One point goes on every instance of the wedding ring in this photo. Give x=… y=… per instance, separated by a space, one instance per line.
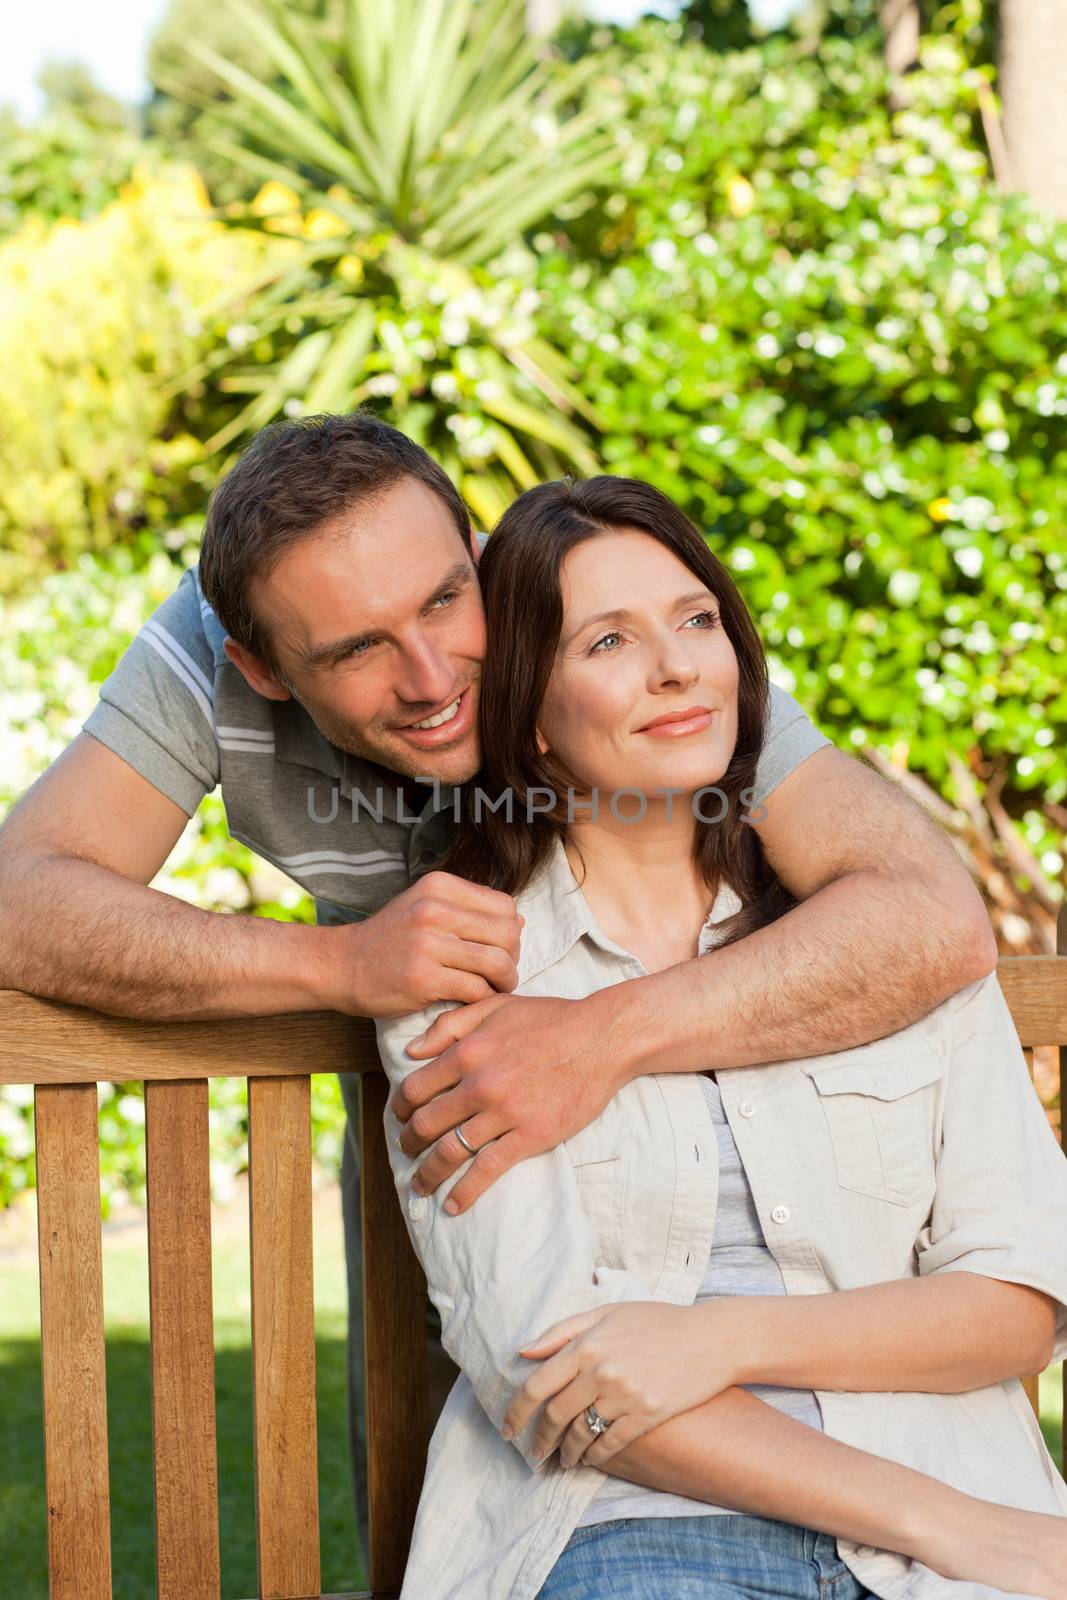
x=468 y=1147
x=595 y=1422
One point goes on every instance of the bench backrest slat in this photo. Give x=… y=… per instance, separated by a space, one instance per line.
x=394 y=1344
x=283 y=1337
x=183 y=1340
x=46 y=1041
x=72 y=1342
x=1035 y=988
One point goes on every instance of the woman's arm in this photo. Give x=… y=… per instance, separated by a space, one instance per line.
x=736 y=1451
x=496 y=1273
x=643 y=1363
x=939 y=1335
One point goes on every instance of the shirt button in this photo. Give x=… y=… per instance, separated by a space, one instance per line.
x=417 y=1207
x=747 y=1109
x=865 y=1550
x=780 y=1214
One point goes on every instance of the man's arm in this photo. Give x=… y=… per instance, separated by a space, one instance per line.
x=79 y=923
x=888 y=927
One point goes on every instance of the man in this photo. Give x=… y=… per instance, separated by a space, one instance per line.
x=323 y=666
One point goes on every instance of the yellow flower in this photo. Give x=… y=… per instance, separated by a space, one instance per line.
x=275 y=199
x=740 y=196
x=940 y=510
x=322 y=224
x=350 y=269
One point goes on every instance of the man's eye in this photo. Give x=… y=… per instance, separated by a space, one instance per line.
x=604 y=643
x=445 y=599
x=360 y=648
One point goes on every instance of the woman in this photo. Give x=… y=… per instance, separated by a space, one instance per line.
x=871 y=1239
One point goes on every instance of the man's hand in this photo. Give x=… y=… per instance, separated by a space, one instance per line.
x=520 y=1073
x=442 y=939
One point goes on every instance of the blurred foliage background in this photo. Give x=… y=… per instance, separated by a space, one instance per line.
x=794 y=278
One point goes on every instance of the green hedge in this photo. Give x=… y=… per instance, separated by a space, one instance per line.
x=820 y=329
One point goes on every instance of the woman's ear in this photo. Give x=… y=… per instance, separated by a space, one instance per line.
x=542 y=747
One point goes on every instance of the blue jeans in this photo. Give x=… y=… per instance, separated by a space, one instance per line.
x=727 y=1557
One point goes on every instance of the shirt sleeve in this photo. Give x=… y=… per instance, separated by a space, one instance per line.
x=790 y=739
x=156 y=710
x=1000 y=1203
x=520 y=1259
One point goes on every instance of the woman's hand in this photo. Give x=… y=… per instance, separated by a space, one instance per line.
x=639 y=1364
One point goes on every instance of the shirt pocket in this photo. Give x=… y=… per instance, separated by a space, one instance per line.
x=596 y=1154
x=880 y=1110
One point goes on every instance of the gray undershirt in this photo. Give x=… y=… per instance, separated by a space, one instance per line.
x=739 y=1263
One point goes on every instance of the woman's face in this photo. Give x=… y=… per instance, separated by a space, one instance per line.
x=643 y=694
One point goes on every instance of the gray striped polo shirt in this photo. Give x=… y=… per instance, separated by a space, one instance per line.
x=178 y=711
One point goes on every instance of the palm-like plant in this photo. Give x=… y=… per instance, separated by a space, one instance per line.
x=407 y=146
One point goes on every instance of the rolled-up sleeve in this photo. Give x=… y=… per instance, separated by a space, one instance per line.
x=1000 y=1206
x=501 y=1273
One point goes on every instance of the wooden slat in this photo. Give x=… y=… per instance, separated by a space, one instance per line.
x=72 y=1342
x=394 y=1343
x=44 y=1041
x=1035 y=988
x=283 y=1337
x=183 y=1345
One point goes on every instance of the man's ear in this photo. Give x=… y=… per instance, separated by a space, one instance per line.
x=472 y=539
x=256 y=674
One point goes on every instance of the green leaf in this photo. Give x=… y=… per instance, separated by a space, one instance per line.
x=332 y=386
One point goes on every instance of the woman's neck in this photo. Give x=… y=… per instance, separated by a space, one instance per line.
x=642 y=882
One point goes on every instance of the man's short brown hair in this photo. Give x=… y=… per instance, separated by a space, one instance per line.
x=295 y=478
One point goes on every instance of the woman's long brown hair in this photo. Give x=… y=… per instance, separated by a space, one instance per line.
x=520 y=575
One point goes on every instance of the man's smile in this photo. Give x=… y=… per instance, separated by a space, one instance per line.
x=449 y=723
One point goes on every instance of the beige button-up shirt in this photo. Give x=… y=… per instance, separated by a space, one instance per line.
x=924 y=1152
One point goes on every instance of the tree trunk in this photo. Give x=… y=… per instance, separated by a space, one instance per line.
x=900 y=30
x=1033 y=87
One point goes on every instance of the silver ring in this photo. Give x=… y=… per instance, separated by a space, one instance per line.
x=595 y=1422
x=468 y=1147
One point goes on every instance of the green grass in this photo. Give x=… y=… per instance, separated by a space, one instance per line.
x=23 y=1554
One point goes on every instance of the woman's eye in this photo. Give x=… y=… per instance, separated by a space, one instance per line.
x=708 y=619
x=604 y=643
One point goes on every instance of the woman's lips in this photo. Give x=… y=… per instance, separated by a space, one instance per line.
x=676 y=724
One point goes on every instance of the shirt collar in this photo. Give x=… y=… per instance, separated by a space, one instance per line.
x=558 y=915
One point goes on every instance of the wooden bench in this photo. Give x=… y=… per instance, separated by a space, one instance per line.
x=65 y=1052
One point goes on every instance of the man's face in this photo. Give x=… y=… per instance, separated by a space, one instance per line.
x=379 y=633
